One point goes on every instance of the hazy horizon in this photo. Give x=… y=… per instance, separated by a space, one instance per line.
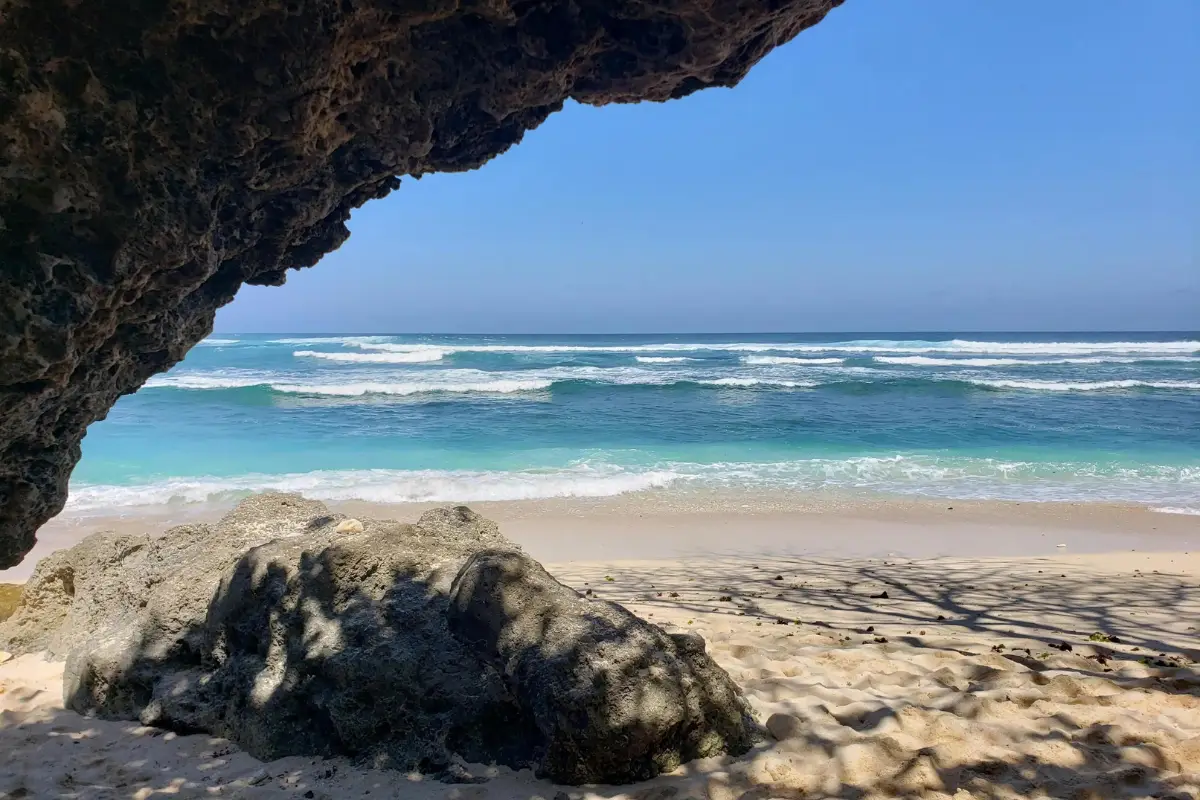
x=989 y=332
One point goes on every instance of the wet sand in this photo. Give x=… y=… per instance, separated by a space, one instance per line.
x=665 y=524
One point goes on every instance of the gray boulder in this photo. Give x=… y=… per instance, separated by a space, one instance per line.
x=165 y=581
x=407 y=646
x=613 y=697
x=70 y=590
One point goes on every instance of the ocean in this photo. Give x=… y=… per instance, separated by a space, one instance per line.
x=1046 y=417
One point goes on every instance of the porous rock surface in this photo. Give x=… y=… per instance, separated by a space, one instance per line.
x=155 y=155
x=407 y=646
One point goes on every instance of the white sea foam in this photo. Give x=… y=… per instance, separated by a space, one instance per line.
x=859 y=346
x=1083 y=386
x=414 y=357
x=352 y=341
x=457 y=380
x=403 y=383
x=1165 y=488
x=932 y=361
x=961 y=477
x=1054 y=348
x=382 y=486
x=966 y=346
x=747 y=383
x=662 y=359
x=392 y=347
x=666 y=347
x=205 y=382
x=218 y=342
x=782 y=360
x=416 y=387
x=481 y=383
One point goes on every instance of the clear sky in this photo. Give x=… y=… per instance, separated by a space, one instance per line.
x=904 y=165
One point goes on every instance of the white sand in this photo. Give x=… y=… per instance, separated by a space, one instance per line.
x=674 y=524
x=884 y=699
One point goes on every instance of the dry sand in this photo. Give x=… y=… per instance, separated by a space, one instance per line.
x=975 y=676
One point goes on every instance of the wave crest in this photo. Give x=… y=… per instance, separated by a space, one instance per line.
x=349 y=389
x=780 y=360
x=1166 y=488
x=414 y=357
x=747 y=383
x=1081 y=386
x=466 y=381
x=380 y=486
x=951 y=346
x=406 y=389
x=352 y=341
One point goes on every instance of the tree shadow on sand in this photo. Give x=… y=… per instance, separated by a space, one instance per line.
x=1108 y=621
x=1032 y=658
x=348 y=647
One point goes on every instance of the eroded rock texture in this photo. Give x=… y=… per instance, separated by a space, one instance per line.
x=408 y=646
x=157 y=154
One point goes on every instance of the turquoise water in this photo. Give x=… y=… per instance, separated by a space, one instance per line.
x=1112 y=417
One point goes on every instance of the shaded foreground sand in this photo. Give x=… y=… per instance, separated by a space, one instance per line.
x=970 y=678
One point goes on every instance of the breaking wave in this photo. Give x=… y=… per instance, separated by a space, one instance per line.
x=928 y=361
x=358 y=389
x=468 y=381
x=951 y=346
x=1082 y=386
x=414 y=357
x=781 y=360
x=351 y=341
x=747 y=383
x=1167 y=488
x=379 y=485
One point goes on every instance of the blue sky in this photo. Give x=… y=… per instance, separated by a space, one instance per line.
x=905 y=165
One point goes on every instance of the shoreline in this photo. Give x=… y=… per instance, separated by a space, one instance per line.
x=661 y=524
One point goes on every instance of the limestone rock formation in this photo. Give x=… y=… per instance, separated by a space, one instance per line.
x=614 y=698
x=155 y=155
x=408 y=646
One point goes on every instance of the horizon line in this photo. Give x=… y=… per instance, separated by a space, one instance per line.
x=1195 y=332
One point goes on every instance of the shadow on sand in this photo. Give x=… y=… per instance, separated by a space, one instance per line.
x=334 y=689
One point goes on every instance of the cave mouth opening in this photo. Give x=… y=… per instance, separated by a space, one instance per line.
x=159 y=156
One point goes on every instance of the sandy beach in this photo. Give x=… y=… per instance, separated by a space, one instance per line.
x=678 y=524
x=903 y=649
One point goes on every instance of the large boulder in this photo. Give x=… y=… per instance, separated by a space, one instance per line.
x=74 y=593
x=408 y=646
x=613 y=697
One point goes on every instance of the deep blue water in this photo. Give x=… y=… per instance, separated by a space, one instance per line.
x=391 y=418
